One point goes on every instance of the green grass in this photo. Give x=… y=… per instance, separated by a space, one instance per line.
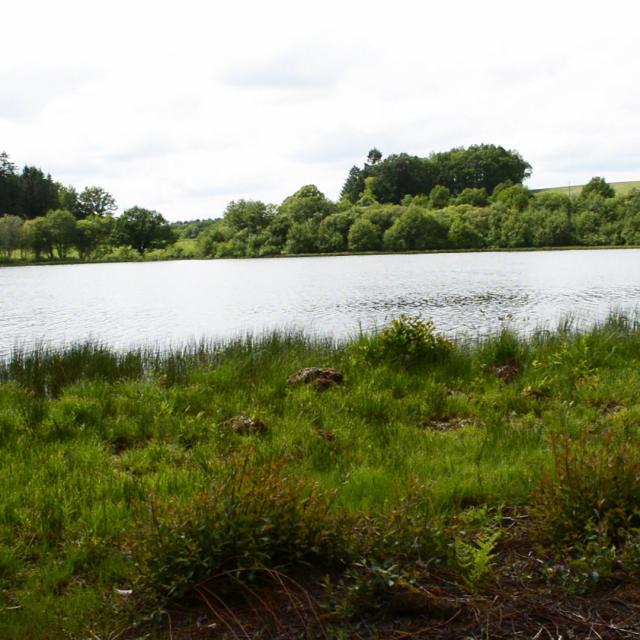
x=105 y=456
x=183 y=249
x=621 y=188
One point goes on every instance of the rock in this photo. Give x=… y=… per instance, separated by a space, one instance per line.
x=507 y=372
x=612 y=407
x=321 y=378
x=245 y=424
x=445 y=423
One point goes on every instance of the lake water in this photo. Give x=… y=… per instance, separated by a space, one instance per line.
x=167 y=303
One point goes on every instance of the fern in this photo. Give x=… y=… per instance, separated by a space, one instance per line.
x=475 y=557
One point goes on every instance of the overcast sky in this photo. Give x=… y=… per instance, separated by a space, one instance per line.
x=184 y=106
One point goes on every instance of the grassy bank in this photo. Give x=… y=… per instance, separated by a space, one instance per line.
x=180 y=250
x=157 y=257
x=621 y=188
x=434 y=477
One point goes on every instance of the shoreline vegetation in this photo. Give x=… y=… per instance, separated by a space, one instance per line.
x=341 y=254
x=463 y=199
x=398 y=485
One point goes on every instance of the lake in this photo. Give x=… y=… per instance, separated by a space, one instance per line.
x=163 y=303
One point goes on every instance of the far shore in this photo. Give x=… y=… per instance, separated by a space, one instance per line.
x=342 y=254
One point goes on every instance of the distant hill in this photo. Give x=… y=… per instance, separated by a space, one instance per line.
x=620 y=187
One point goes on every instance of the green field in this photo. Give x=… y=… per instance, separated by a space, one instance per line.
x=436 y=478
x=621 y=188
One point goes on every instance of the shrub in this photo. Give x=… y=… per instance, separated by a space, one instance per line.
x=364 y=236
x=253 y=519
x=595 y=493
x=122 y=254
x=409 y=341
x=391 y=548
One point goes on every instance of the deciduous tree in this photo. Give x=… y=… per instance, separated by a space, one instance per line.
x=364 y=236
x=307 y=203
x=252 y=215
x=598 y=186
x=143 y=229
x=62 y=230
x=93 y=233
x=10 y=227
x=95 y=201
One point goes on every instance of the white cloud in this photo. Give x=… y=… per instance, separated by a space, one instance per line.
x=182 y=107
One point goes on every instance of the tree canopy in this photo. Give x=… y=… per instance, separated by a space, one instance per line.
x=597 y=186
x=464 y=198
x=481 y=166
x=31 y=194
x=95 y=201
x=143 y=229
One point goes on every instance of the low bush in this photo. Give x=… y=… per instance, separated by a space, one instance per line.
x=252 y=519
x=595 y=493
x=408 y=341
x=122 y=254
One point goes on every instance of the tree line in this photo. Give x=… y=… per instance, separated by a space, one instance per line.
x=469 y=198
x=468 y=217
x=389 y=180
x=44 y=219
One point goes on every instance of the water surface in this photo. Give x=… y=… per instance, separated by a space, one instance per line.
x=165 y=303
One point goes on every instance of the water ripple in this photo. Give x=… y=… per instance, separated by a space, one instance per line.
x=169 y=303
